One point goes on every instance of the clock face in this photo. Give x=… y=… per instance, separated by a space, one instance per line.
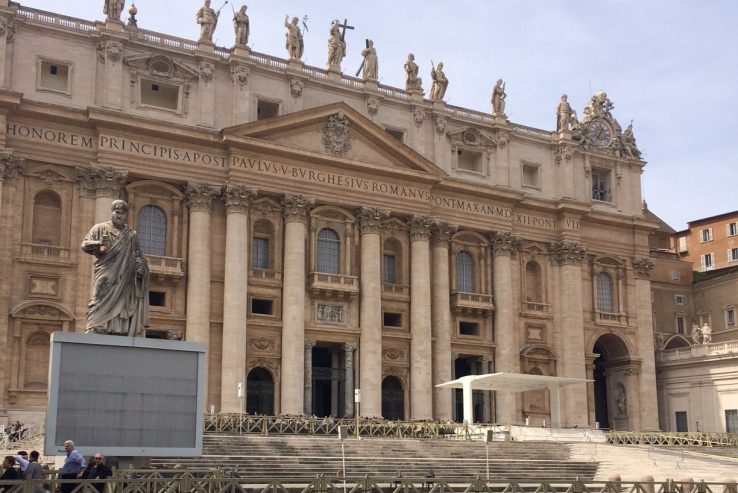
x=600 y=133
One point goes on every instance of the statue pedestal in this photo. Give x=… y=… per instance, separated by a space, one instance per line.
x=113 y=25
x=416 y=96
x=564 y=135
x=501 y=118
x=295 y=66
x=334 y=73
x=241 y=51
x=205 y=47
x=439 y=104
x=371 y=85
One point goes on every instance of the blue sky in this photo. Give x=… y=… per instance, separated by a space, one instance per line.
x=670 y=66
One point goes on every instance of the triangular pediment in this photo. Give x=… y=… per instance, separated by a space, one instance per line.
x=334 y=132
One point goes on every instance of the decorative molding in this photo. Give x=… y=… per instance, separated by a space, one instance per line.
x=296 y=87
x=371 y=219
x=337 y=134
x=566 y=252
x=642 y=267
x=200 y=196
x=264 y=344
x=206 y=71
x=240 y=74
x=442 y=233
x=563 y=154
x=330 y=314
x=420 y=227
x=393 y=354
x=101 y=182
x=440 y=124
x=296 y=208
x=238 y=198
x=7 y=28
x=10 y=167
x=418 y=116
x=504 y=244
x=372 y=105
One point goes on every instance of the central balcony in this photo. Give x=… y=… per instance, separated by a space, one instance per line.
x=474 y=304
x=163 y=268
x=333 y=286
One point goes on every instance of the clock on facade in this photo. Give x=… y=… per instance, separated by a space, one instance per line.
x=599 y=132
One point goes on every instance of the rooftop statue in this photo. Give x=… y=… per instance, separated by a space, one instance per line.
x=120 y=285
x=498 y=98
x=440 y=83
x=336 y=46
x=628 y=143
x=293 y=38
x=413 y=83
x=565 y=115
x=208 y=20
x=112 y=9
x=241 y=26
x=370 y=64
x=599 y=106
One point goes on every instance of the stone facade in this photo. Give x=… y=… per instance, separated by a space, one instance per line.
x=315 y=233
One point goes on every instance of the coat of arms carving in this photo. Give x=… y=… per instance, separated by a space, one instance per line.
x=337 y=134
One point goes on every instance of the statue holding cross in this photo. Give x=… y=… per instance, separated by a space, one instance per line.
x=337 y=44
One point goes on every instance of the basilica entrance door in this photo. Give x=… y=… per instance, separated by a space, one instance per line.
x=393 y=399
x=260 y=392
x=329 y=382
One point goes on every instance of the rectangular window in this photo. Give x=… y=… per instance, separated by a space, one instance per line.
x=260 y=253
x=681 y=323
x=531 y=176
x=675 y=275
x=733 y=255
x=731 y=229
x=707 y=261
x=392 y=319
x=468 y=328
x=731 y=421
x=397 y=134
x=157 y=298
x=53 y=76
x=682 y=244
x=266 y=109
x=730 y=316
x=681 y=421
x=705 y=235
x=470 y=160
x=160 y=95
x=390 y=271
x=601 y=185
x=262 y=307
x=678 y=299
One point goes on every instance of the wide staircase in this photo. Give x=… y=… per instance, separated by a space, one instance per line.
x=299 y=458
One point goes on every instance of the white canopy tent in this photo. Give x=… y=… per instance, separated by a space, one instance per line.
x=513 y=382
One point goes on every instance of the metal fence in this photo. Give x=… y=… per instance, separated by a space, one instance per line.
x=691 y=439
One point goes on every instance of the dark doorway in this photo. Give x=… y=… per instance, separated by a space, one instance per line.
x=462 y=367
x=613 y=353
x=329 y=382
x=393 y=399
x=260 y=392
x=600 y=388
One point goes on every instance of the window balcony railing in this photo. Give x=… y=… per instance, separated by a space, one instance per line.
x=44 y=251
x=611 y=318
x=472 y=303
x=333 y=285
x=535 y=307
x=265 y=274
x=165 y=267
x=396 y=290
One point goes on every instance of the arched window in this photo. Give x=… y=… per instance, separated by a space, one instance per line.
x=391 y=256
x=261 y=245
x=464 y=272
x=329 y=247
x=152 y=230
x=604 y=293
x=47 y=208
x=533 y=282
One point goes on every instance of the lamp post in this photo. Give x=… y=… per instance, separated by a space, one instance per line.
x=357 y=401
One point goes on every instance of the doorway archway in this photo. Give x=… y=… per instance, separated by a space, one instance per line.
x=393 y=399
x=612 y=388
x=260 y=392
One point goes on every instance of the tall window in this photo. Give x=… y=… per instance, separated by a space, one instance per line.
x=391 y=262
x=681 y=323
x=604 y=293
x=731 y=421
x=328 y=251
x=152 y=230
x=707 y=261
x=390 y=268
x=533 y=282
x=260 y=253
x=600 y=185
x=705 y=235
x=730 y=316
x=733 y=255
x=46 y=219
x=681 y=421
x=731 y=229
x=464 y=272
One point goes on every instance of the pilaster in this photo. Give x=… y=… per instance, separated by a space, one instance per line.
x=348 y=356
x=206 y=91
x=441 y=320
x=110 y=54
x=647 y=378
x=308 y=370
x=241 y=90
x=7 y=33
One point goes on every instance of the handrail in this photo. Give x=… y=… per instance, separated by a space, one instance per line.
x=694 y=439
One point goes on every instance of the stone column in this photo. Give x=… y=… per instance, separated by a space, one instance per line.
x=10 y=168
x=647 y=381
x=370 y=313
x=506 y=333
x=486 y=417
x=237 y=199
x=309 y=345
x=421 y=379
x=107 y=183
x=441 y=321
x=348 y=356
x=296 y=209
x=568 y=256
x=199 y=199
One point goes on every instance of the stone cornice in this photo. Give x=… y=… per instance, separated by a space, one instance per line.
x=296 y=208
x=420 y=227
x=200 y=196
x=566 y=252
x=237 y=198
x=504 y=244
x=371 y=219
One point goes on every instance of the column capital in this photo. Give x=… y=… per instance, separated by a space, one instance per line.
x=238 y=198
x=349 y=346
x=441 y=233
x=296 y=208
x=454 y=356
x=10 y=167
x=309 y=345
x=566 y=252
x=371 y=219
x=420 y=227
x=486 y=360
x=642 y=267
x=505 y=244
x=101 y=182
x=200 y=196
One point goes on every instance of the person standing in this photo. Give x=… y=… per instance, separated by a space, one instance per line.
x=73 y=466
x=22 y=460
x=10 y=473
x=35 y=472
x=97 y=470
